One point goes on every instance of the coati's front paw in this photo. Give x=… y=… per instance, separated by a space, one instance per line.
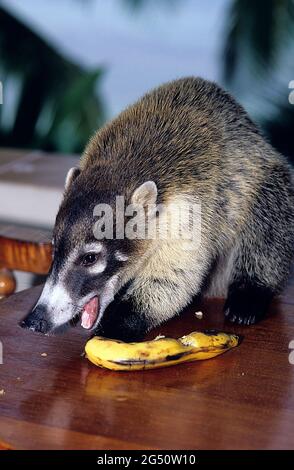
x=121 y=322
x=120 y=332
x=247 y=303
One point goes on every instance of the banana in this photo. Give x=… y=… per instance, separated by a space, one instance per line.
x=160 y=352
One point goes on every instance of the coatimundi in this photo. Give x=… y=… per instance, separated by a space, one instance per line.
x=185 y=143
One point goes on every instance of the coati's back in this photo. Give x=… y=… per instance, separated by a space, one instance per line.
x=183 y=132
x=190 y=137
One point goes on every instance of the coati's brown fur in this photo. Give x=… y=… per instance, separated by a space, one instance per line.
x=192 y=138
x=196 y=143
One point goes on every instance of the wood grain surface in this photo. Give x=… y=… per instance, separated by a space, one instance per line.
x=243 y=399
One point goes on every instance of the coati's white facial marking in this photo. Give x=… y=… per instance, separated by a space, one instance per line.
x=95 y=247
x=98 y=267
x=120 y=256
x=58 y=303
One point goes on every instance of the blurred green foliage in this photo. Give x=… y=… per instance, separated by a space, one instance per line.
x=259 y=64
x=58 y=105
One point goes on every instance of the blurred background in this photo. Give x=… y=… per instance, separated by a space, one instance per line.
x=67 y=66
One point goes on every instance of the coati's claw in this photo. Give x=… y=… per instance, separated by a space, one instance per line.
x=241 y=319
x=247 y=303
x=250 y=320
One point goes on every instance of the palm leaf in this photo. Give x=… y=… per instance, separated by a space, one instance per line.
x=258 y=64
x=256 y=33
x=45 y=78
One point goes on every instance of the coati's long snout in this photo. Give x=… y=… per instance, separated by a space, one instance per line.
x=57 y=307
x=48 y=316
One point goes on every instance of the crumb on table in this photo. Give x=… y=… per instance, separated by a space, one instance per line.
x=159 y=337
x=199 y=315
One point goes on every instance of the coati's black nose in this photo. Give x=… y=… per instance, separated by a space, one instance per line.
x=36 y=320
x=41 y=326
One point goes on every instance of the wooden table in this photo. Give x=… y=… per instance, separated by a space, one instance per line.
x=243 y=399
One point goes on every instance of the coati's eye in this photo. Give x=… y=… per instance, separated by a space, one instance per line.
x=89 y=259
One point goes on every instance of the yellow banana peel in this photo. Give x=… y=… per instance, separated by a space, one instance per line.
x=160 y=352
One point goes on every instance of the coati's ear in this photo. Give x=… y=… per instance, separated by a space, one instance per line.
x=145 y=194
x=71 y=176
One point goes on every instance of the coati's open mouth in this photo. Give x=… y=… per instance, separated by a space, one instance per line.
x=90 y=313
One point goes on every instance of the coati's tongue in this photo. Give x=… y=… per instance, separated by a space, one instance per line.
x=90 y=313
